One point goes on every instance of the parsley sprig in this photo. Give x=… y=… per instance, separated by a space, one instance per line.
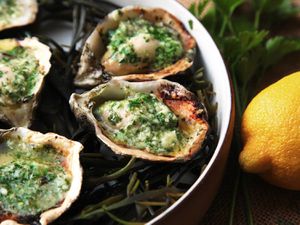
x=245 y=40
x=249 y=50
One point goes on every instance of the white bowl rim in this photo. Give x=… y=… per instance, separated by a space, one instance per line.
x=226 y=116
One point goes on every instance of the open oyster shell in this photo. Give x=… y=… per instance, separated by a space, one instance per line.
x=16 y=74
x=15 y=13
x=92 y=72
x=190 y=112
x=67 y=149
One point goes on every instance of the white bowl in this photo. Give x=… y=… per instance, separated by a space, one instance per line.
x=191 y=207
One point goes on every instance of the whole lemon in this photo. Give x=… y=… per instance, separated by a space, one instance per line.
x=271 y=134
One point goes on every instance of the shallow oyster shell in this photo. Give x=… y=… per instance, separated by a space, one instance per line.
x=91 y=72
x=28 y=8
x=70 y=150
x=182 y=102
x=20 y=114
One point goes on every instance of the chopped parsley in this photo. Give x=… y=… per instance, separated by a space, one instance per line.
x=8 y=10
x=114 y=118
x=32 y=178
x=141 y=121
x=25 y=69
x=121 y=45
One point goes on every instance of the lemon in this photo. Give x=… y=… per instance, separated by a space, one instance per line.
x=271 y=134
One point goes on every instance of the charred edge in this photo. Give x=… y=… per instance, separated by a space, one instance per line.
x=172 y=92
x=106 y=77
x=180 y=24
x=142 y=12
x=203 y=113
x=7 y=216
x=32 y=220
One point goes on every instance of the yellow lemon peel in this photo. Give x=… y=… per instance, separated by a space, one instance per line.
x=271 y=134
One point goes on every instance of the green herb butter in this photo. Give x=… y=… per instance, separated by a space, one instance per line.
x=138 y=41
x=19 y=72
x=141 y=121
x=32 y=178
x=8 y=10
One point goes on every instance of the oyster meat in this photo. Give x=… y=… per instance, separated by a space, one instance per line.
x=40 y=176
x=135 y=43
x=23 y=67
x=15 y=13
x=154 y=120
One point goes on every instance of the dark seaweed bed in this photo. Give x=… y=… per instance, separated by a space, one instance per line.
x=116 y=189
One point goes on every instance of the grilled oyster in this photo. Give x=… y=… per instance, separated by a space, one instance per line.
x=154 y=120
x=23 y=67
x=40 y=176
x=15 y=13
x=135 y=43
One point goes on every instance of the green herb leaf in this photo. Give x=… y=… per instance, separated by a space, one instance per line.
x=284 y=8
x=235 y=47
x=227 y=7
x=248 y=51
x=192 y=9
x=274 y=11
x=210 y=21
x=242 y=23
x=191 y=24
x=249 y=64
x=278 y=47
x=197 y=9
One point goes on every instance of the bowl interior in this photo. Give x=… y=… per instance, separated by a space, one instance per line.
x=215 y=70
x=209 y=57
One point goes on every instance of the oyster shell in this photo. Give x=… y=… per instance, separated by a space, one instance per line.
x=66 y=153
x=96 y=61
x=15 y=13
x=169 y=99
x=23 y=67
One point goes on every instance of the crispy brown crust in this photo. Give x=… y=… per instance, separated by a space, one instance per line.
x=70 y=149
x=170 y=92
x=94 y=47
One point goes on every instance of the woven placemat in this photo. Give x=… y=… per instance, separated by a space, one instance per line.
x=269 y=205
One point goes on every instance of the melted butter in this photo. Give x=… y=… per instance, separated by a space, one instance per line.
x=141 y=121
x=8 y=10
x=139 y=46
x=144 y=46
x=32 y=178
x=18 y=75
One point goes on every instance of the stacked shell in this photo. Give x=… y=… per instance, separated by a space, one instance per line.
x=40 y=174
x=136 y=44
x=137 y=113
